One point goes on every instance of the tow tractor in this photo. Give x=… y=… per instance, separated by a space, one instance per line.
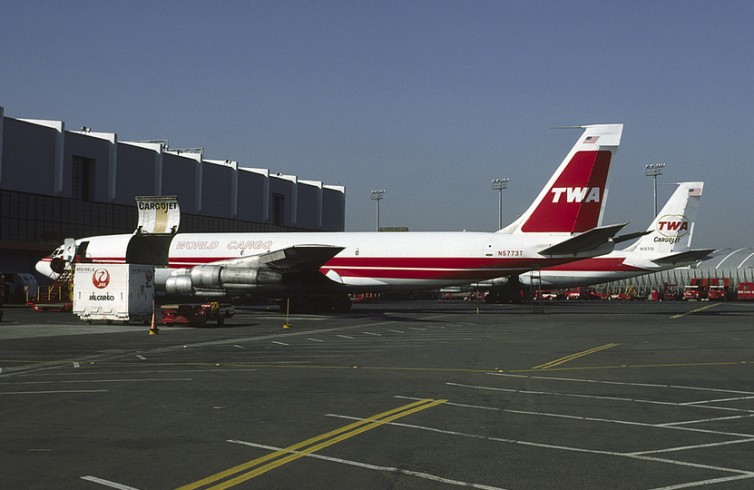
x=194 y=314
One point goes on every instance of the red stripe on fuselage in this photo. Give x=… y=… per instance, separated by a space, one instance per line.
x=435 y=268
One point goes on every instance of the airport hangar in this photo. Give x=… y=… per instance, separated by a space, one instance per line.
x=56 y=184
x=734 y=264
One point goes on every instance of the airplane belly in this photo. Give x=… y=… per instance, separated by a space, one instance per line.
x=419 y=271
x=566 y=279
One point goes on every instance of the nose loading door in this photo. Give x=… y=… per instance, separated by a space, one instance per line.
x=159 y=217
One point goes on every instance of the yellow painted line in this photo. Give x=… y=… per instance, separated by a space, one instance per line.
x=329 y=439
x=712 y=305
x=562 y=360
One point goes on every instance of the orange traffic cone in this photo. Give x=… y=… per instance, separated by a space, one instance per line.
x=153 y=330
x=287 y=323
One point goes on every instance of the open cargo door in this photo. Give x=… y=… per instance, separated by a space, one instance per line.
x=159 y=218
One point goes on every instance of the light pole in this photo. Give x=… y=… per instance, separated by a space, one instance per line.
x=499 y=185
x=653 y=170
x=376 y=195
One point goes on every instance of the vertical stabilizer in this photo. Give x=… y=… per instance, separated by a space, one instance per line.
x=672 y=229
x=574 y=198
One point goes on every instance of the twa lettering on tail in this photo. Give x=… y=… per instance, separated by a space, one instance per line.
x=673 y=226
x=576 y=194
x=574 y=198
x=561 y=225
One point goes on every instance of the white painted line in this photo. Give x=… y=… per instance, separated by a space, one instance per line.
x=85 y=381
x=619 y=383
x=139 y=356
x=686 y=448
x=702 y=402
x=704 y=421
x=75 y=364
x=461 y=405
x=396 y=331
x=239 y=347
x=632 y=400
x=486 y=438
x=389 y=469
x=314 y=340
x=345 y=337
x=282 y=362
x=55 y=392
x=279 y=343
x=626 y=422
x=742 y=473
x=704 y=483
x=372 y=333
x=417 y=328
x=107 y=483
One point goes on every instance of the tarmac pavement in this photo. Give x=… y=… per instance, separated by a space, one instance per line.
x=399 y=395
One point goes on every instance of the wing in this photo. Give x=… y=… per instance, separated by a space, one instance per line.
x=295 y=259
x=584 y=242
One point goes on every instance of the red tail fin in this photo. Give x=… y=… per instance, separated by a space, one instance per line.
x=574 y=198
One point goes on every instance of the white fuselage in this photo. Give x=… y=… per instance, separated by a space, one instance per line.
x=369 y=260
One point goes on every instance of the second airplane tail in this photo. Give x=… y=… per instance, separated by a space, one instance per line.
x=673 y=227
x=574 y=198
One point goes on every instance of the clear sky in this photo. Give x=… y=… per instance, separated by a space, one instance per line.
x=429 y=100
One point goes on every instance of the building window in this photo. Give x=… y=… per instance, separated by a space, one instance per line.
x=82 y=178
x=278 y=209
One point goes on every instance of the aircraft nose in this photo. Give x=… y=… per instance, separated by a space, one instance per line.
x=43 y=267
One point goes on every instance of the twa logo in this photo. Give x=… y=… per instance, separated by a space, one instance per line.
x=101 y=278
x=673 y=225
x=576 y=194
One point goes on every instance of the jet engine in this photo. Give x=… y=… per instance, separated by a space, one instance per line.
x=220 y=278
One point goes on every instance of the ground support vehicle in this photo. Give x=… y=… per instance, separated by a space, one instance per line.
x=195 y=314
x=717 y=293
x=692 y=292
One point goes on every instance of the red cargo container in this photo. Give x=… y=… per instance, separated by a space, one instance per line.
x=745 y=291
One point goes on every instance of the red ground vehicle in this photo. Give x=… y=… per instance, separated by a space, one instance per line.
x=712 y=288
x=195 y=314
x=582 y=293
x=545 y=294
x=717 y=293
x=692 y=292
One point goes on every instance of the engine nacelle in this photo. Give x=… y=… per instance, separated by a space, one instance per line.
x=179 y=286
x=219 y=277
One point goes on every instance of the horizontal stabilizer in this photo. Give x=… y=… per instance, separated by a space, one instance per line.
x=630 y=236
x=684 y=258
x=584 y=242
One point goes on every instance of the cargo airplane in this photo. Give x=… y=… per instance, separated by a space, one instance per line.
x=560 y=226
x=666 y=244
